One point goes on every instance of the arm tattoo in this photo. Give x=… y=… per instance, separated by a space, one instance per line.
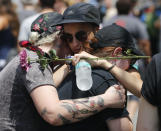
x=71 y=108
x=64 y=120
x=88 y=107
x=43 y=112
x=120 y=96
x=100 y=102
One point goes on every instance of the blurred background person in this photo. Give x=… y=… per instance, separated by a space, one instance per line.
x=60 y=6
x=132 y=24
x=158 y=25
x=94 y=2
x=149 y=16
x=25 y=8
x=18 y=4
x=72 y=2
x=28 y=9
x=135 y=27
x=135 y=9
x=9 y=27
x=45 y=6
x=111 y=10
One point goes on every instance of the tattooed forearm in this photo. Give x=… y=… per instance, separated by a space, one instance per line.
x=80 y=109
x=85 y=100
x=64 y=120
x=76 y=112
x=69 y=111
x=86 y=111
x=100 y=102
x=87 y=103
x=43 y=112
x=70 y=107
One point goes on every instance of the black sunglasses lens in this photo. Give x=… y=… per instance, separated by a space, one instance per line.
x=66 y=37
x=81 y=36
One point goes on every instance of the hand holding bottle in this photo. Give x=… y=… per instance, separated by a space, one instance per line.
x=93 y=61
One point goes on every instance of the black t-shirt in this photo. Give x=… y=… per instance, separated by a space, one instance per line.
x=101 y=81
x=151 y=89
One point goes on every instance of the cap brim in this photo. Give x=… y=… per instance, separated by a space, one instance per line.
x=70 y=21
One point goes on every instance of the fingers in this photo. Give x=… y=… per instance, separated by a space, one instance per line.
x=122 y=97
x=75 y=59
x=117 y=87
x=120 y=88
x=121 y=93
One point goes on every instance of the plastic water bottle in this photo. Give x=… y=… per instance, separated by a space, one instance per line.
x=83 y=75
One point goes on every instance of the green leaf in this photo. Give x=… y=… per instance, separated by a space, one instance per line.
x=128 y=52
x=39 y=54
x=43 y=63
x=28 y=59
x=52 y=54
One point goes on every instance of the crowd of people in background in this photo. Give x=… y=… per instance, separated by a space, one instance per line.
x=142 y=19
x=145 y=15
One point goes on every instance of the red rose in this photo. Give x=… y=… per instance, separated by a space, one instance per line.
x=25 y=43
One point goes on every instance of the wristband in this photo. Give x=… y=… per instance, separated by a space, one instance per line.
x=110 y=68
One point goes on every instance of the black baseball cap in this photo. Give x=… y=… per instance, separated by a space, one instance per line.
x=115 y=36
x=81 y=12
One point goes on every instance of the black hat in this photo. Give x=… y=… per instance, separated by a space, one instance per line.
x=116 y=36
x=81 y=12
x=42 y=25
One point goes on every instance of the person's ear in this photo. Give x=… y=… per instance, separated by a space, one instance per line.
x=117 y=51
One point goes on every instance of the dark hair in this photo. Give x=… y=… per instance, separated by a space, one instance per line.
x=123 y=6
x=47 y=3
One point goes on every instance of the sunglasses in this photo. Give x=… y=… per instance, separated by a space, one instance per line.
x=80 y=36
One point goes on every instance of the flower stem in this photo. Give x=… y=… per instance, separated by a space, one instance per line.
x=99 y=58
x=108 y=58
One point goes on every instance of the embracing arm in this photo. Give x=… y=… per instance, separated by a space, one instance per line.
x=130 y=80
x=59 y=112
x=60 y=74
x=147 y=117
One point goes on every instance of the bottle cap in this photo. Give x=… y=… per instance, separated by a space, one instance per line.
x=83 y=63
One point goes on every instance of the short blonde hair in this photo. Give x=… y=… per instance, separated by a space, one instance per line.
x=37 y=40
